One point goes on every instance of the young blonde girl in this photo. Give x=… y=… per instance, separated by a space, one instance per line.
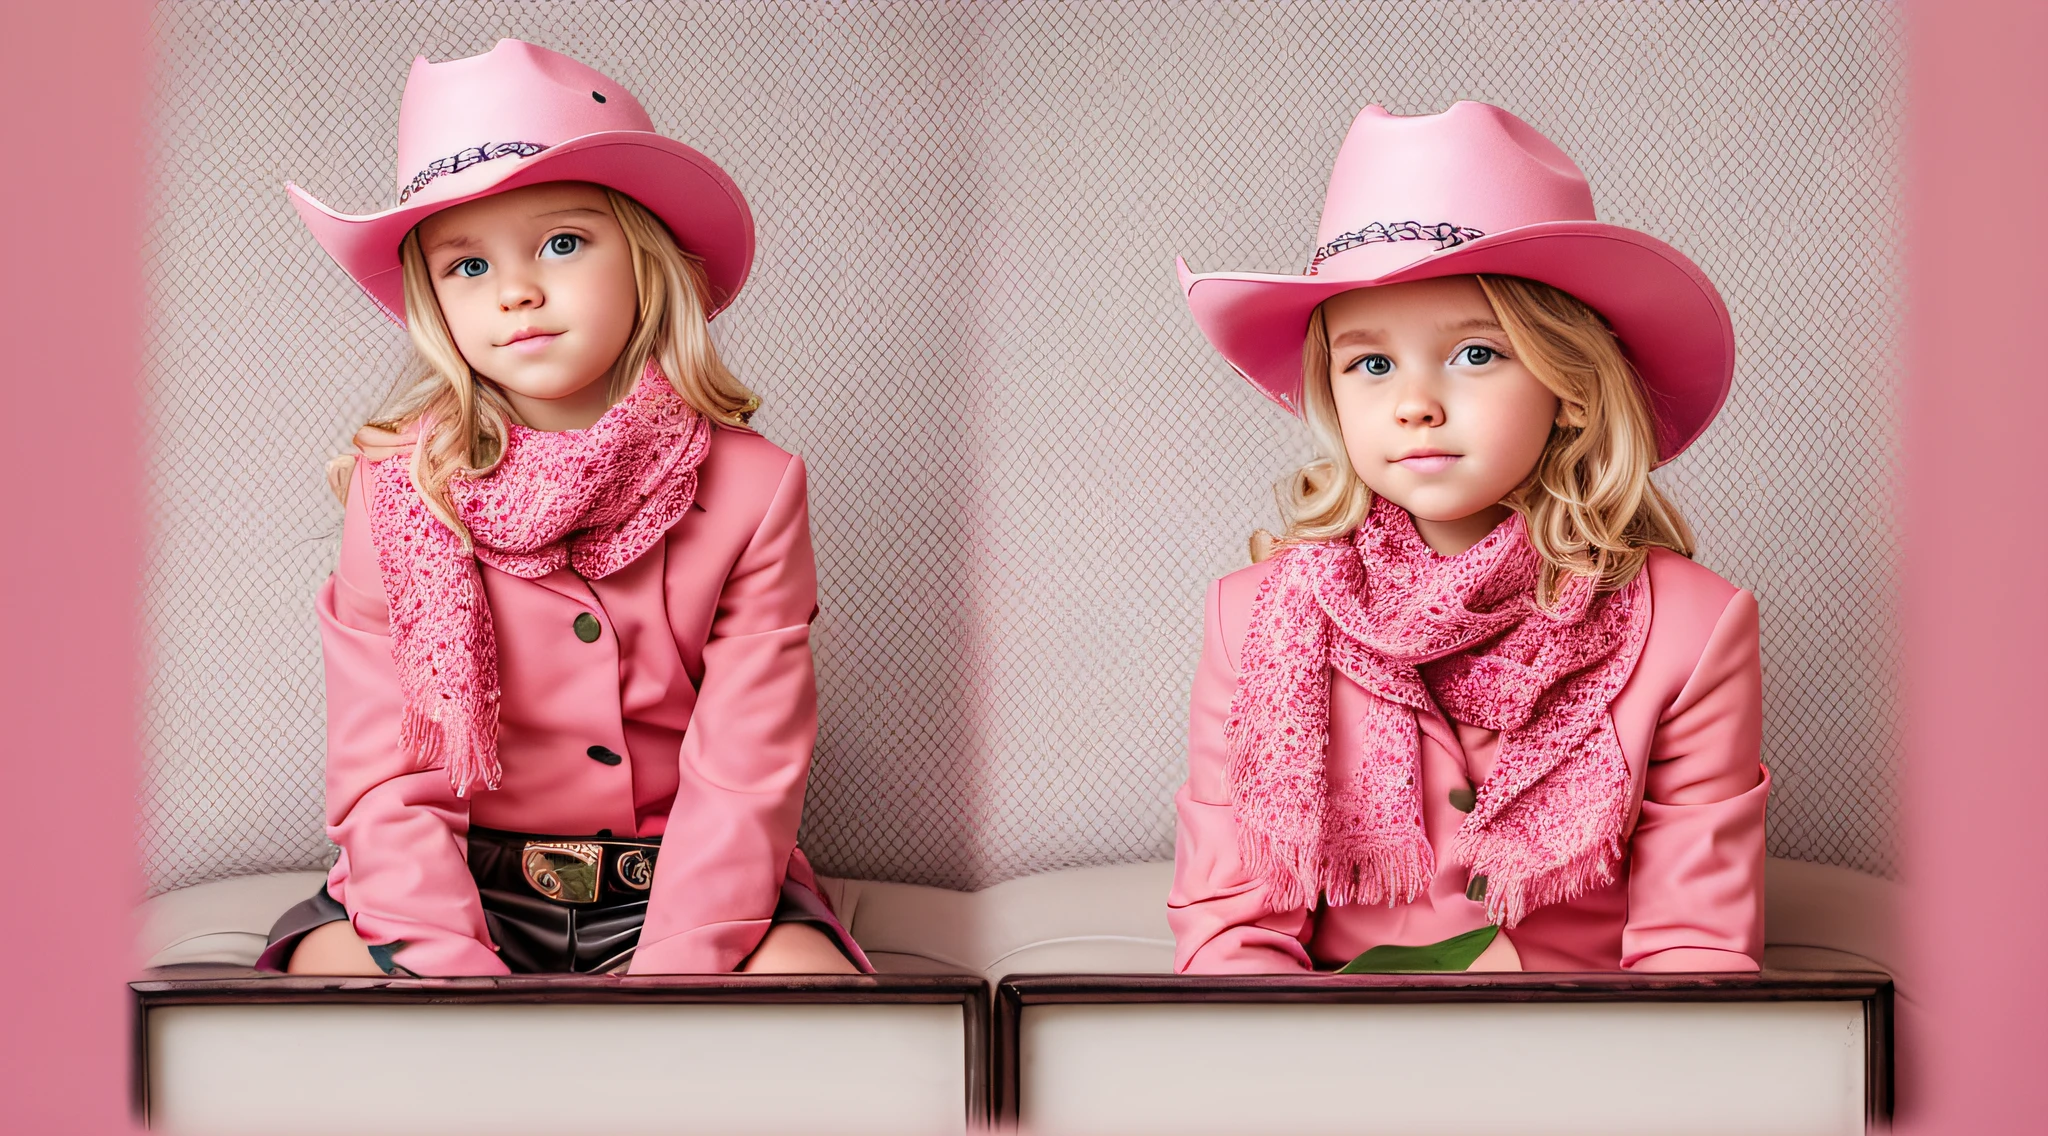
x=570 y=695
x=1475 y=707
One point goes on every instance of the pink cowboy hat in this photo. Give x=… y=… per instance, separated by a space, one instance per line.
x=520 y=115
x=1477 y=190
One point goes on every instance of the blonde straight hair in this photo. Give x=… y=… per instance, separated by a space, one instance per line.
x=1590 y=505
x=469 y=413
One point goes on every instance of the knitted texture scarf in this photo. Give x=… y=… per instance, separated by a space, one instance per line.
x=591 y=499
x=1459 y=636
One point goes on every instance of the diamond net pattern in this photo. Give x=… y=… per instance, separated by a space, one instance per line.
x=1026 y=463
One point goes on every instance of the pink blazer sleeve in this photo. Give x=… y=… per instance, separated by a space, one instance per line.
x=1217 y=911
x=401 y=829
x=732 y=830
x=1696 y=871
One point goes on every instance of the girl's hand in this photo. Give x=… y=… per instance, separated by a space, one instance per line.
x=1499 y=955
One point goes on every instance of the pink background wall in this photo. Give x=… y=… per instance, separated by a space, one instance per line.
x=74 y=80
x=1976 y=395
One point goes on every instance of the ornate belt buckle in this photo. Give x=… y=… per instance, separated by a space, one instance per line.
x=634 y=868
x=565 y=872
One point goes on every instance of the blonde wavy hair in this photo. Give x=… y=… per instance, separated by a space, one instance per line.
x=469 y=413
x=1590 y=505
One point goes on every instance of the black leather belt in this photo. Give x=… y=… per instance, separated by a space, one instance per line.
x=581 y=870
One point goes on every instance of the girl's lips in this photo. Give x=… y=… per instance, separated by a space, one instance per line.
x=1428 y=463
x=533 y=343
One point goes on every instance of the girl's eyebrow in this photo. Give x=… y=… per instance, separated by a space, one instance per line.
x=452 y=240
x=463 y=240
x=1476 y=323
x=1375 y=337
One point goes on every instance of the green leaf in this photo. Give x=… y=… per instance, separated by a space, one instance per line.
x=1454 y=953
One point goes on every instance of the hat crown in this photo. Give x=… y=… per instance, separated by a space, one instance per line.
x=517 y=92
x=1474 y=166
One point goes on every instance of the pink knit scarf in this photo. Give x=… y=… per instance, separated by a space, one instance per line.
x=1457 y=636
x=590 y=499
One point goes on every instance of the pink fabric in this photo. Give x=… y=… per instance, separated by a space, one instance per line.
x=701 y=680
x=1419 y=631
x=593 y=499
x=1688 y=894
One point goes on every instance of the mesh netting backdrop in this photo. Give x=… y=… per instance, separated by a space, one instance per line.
x=1025 y=462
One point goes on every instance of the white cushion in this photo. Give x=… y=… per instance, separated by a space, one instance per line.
x=224 y=922
x=1815 y=914
x=1104 y=920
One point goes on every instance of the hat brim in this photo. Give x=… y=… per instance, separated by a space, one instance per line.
x=1668 y=317
x=696 y=199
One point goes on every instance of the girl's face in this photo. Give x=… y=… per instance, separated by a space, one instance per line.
x=536 y=285
x=1438 y=416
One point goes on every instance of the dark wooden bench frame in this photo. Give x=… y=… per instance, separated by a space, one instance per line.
x=993 y=1054
x=1874 y=990
x=969 y=992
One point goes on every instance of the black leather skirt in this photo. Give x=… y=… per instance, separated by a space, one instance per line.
x=577 y=910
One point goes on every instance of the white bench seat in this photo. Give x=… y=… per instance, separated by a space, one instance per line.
x=908 y=1051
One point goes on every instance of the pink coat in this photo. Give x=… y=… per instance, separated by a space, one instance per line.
x=1688 y=896
x=700 y=677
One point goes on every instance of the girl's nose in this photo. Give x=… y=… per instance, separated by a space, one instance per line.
x=518 y=291
x=1417 y=407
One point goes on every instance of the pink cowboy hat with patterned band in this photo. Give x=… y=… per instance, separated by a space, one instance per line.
x=520 y=115
x=1477 y=190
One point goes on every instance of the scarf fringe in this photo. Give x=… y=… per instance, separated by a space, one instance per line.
x=426 y=741
x=1375 y=873
x=1379 y=874
x=1510 y=898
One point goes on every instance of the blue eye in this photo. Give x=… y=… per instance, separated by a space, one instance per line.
x=561 y=244
x=472 y=266
x=1477 y=355
x=1376 y=365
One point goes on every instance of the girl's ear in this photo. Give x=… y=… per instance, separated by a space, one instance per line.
x=1571 y=415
